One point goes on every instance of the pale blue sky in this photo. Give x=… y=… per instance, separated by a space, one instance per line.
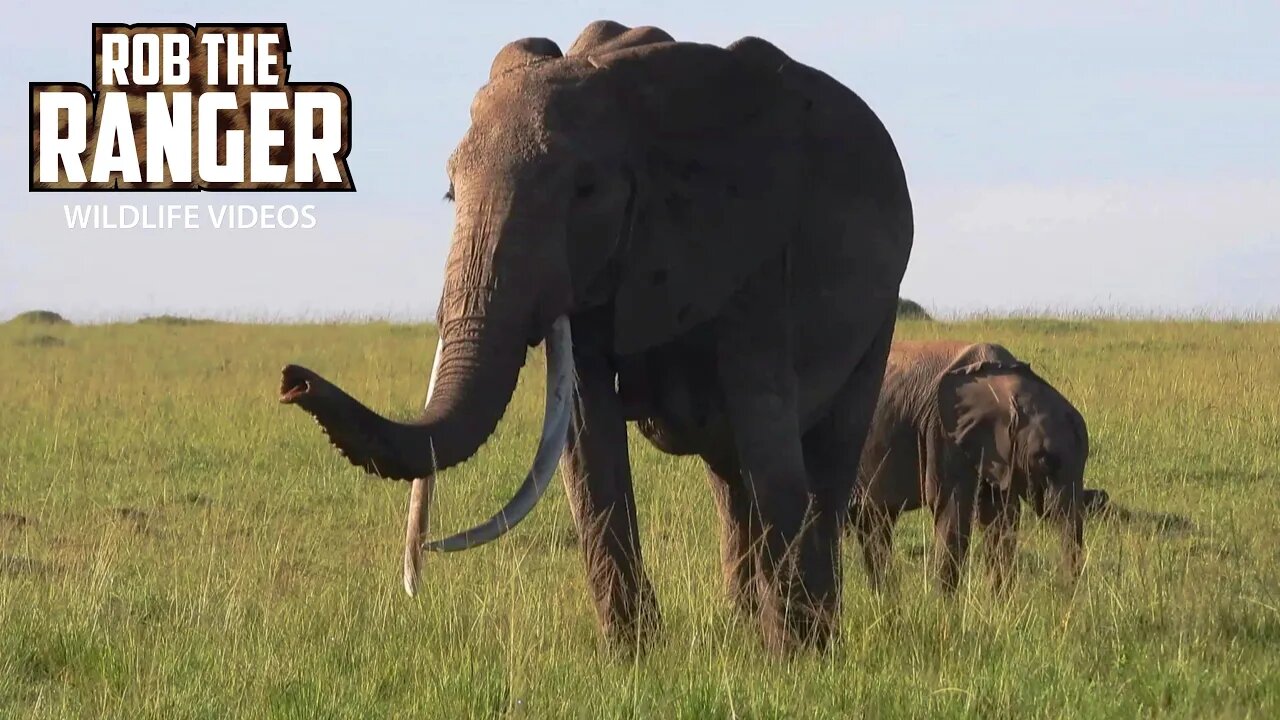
x=1081 y=156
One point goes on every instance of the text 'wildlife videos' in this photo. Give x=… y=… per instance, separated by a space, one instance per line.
x=189 y=217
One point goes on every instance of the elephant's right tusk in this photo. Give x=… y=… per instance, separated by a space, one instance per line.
x=415 y=532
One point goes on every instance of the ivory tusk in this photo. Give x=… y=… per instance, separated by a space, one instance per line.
x=555 y=428
x=415 y=531
x=555 y=434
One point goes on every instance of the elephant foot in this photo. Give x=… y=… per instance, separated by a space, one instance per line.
x=1001 y=583
x=631 y=621
x=789 y=627
x=948 y=582
x=745 y=602
x=740 y=586
x=797 y=578
x=881 y=583
x=798 y=611
x=947 y=569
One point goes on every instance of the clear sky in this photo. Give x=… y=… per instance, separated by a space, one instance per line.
x=1062 y=156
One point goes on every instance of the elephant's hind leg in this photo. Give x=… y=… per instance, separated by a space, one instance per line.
x=597 y=479
x=953 y=520
x=874 y=527
x=832 y=452
x=757 y=379
x=736 y=540
x=790 y=563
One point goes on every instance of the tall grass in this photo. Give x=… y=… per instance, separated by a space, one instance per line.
x=175 y=544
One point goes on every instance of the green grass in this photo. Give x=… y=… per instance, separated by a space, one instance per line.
x=175 y=544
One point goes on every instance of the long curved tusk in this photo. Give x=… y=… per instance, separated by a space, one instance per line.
x=555 y=434
x=415 y=531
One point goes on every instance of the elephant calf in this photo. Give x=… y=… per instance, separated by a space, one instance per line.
x=968 y=431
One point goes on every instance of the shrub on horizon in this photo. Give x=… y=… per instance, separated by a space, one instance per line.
x=911 y=310
x=40 y=317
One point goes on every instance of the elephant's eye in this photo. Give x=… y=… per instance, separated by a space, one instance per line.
x=584 y=190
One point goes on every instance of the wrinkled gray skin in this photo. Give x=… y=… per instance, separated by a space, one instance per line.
x=726 y=230
x=969 y=431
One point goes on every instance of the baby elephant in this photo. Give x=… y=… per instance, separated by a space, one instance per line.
x=969 y=431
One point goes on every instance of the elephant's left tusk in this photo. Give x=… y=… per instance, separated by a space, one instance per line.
x=555 y=428
x=555 y=435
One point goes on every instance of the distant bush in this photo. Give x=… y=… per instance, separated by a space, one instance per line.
x=1048 y=325
x=911 y=310
x=40 y=317
x=174 y=320
x=41 y=341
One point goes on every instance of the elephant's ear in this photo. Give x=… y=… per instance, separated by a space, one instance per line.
x=979 y=413
x=523 y=53
x=717 y=154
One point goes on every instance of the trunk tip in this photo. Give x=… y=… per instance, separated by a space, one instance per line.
x=358 y=433
x=1095 y=501
x=295 y=382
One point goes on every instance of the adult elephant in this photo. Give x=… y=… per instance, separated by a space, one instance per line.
x=969 y=431
x=725 y=230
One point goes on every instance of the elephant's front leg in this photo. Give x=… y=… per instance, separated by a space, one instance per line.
x=999 y=513
x=950 y=489
x=952 y=524
x=597 y=478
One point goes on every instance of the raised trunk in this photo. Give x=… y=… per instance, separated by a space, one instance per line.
x=478 y=375
x=488 y=314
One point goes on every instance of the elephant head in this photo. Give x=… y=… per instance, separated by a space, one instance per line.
x=635 y=174
x=1023 y=437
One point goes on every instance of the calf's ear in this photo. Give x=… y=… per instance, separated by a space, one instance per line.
x=979 y=414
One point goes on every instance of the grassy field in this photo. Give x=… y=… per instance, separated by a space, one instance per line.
x=175 y=544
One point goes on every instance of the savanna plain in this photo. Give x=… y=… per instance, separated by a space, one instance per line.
x=173 y=543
